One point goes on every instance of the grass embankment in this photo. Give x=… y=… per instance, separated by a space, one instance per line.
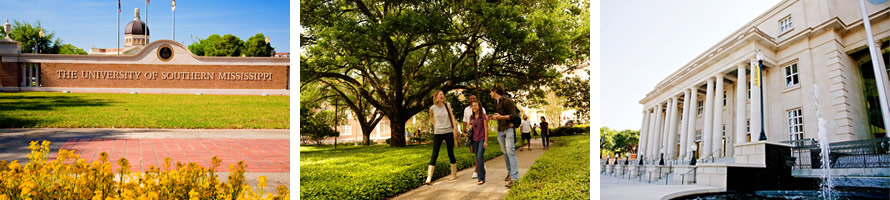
x=563 y=172
x=377 y=171
x=76 y=110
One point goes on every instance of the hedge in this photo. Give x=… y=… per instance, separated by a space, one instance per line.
x=567 y=131
x=563 y=172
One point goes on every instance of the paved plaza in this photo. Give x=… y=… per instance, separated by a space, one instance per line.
x=623 y=189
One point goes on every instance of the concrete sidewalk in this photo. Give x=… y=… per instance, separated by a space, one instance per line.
x=623 y=189
x=266 y=152
x=465 y=186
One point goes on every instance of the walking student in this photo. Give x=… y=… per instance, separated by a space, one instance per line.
x=468 y=112
x=508 y=117
x=525 y=127
x=479 y=124
x=444 y=128
x=545 y=133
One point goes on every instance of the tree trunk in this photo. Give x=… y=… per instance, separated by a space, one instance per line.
x=367 y=135
x=397 y=133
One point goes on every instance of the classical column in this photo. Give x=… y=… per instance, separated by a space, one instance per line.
x=693 y=116
x=671 y=146
x=641 y=148
x=755 y=105
x=741 y=95
x=708 y=130
x=659 y=122
x=717 y=143
x=666 y=127
x=651 y=137
x=684 y=125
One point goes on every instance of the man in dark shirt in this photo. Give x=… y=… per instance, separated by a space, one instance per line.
x=506 y=110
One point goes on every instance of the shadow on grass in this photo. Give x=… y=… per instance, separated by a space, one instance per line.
x=14 y=104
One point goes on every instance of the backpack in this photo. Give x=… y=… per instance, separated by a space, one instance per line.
x=518 y=121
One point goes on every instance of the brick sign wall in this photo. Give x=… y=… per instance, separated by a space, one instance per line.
x=87 y=75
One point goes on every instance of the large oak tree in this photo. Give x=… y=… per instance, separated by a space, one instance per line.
x=395 y=54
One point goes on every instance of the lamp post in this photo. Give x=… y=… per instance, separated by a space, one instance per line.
x=661 y=160
x=267 y=43
x=760 y=78
x=692 y=161
x=41 y=34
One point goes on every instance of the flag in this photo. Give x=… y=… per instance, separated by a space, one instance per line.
x=118 y=6
x=755 y=78
x=174 y=6
x=147 y=2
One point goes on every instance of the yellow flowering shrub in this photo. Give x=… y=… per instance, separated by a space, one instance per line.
x=71 y=177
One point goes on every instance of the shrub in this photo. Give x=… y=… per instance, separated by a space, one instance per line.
x=71 y=177
x=566 y=130
x=563 y=172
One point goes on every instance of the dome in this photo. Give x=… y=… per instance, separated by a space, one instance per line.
x=136 y=27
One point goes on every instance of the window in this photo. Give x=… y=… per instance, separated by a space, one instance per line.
x=700 y=106
x=791 y=78
x=748 y=127
x=724 y=98
x=749 y=90
x=795 y=124
x=785 y=24
x=346 y=130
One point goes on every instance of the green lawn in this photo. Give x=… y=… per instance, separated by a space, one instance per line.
x=563 y=172
x=76 y=110
x=377 y=171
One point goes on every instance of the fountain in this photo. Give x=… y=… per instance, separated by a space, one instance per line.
x=826 y=184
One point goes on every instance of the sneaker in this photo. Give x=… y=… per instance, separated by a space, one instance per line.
x=475 y=174
x=509 y=184
x=508 y=178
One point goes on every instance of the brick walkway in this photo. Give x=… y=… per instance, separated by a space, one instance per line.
x=260 y=155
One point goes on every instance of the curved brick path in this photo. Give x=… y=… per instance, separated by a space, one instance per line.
x=262 y=150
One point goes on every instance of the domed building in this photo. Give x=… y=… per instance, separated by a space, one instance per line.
x=136 y=36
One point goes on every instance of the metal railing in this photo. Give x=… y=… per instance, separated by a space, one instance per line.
x=683 y=176
x=870 y=153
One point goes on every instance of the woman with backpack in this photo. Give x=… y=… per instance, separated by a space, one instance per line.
x=444 y=128
x=479 y=122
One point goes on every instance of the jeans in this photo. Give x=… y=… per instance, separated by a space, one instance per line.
x=545 y=139
x=437 y=143
x=507 y=140
x=479 y=147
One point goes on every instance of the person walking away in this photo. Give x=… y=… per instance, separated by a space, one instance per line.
x=545 y=133
x=479 y=124
x=468 y=112
x=506 y=112
x=444 y=128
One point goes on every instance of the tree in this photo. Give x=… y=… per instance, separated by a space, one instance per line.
x=576 y=92
x=317 y=121
x=553 y=107
x=71 y=49
x=396 y=54
x=29 y=36
x=620 y=142
x=201 y=46
x=257 y=46
x=228 y=45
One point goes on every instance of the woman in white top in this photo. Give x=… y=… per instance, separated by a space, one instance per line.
x=444 y=128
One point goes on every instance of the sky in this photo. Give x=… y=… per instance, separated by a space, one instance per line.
x=86 y=23
x=642 y=42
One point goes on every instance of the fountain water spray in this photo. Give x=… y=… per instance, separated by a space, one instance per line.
x=823 y=144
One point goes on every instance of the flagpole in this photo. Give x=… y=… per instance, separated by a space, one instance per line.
x=174 y=19
x=118 y=36
x=878 y=67
x=760 y=85
x=145 y=39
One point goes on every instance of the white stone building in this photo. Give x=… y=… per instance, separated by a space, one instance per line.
x=817 y=66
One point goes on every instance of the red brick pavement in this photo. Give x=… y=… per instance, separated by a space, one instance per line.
x=260 y=155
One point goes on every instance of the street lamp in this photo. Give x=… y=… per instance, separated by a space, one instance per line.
x=760 y=78
x=692 y=161
x=38 y=41
x=661 y=160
